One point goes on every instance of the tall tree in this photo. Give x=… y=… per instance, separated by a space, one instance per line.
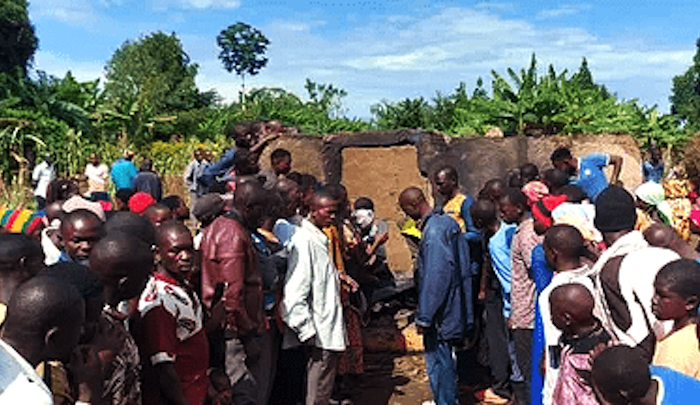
x=242 y=50
x=685 y=95
x=17 y=39
x=149 y=77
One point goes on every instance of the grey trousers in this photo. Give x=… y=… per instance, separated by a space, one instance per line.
x=244 y=390
x=321 y=368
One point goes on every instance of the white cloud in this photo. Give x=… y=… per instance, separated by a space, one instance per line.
x=57 y=65
x=195 y=4
x=566 y=10
x=69 y=11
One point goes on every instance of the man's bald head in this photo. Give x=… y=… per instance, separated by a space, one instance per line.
x=131 y=224
x=660 y=235
x=288 y=190
x=18 y=250
x=124 y=263
x=157 y=213
x=168 y=228
x=44 y=317
x=250 y=200
x=572 y=308
x=413 y=203
x=564 y=240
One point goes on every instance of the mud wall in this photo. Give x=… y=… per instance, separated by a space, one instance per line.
x=381 y=164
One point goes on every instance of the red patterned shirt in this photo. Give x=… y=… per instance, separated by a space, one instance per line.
x=173 y=332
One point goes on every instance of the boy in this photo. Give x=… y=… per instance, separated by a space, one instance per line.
x=572 y=313
x=676 y=290
x=620 y=375
x=588 y=172
x=563 y=249
x=174 y=340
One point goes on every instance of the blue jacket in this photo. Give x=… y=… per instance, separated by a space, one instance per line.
x=444 y=278
x=216 y=170
x=123 y=173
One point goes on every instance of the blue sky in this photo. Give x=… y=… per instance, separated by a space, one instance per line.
x=388 y=50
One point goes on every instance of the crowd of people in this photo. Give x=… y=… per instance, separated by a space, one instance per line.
x=254 y=294
x=581 y=292
x=571 y=289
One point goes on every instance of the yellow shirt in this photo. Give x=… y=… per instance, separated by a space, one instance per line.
x=453 y=208
x=680 y=351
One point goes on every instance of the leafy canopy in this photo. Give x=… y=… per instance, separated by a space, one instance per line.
x=242 y=49
x=17 y=39
x=685 y=95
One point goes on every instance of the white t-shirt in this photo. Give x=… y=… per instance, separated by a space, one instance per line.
x=97 y=177
x=42 y=174
x=19 y=383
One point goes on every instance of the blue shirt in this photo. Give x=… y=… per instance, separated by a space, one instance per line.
x=678 y=389
x=499 y=251
x=123 y=173
x=591 y=177
x=653 y=173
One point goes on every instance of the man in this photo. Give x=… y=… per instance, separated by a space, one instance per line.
x=494 y=291
x=175 y=343
x=42 y=175
x=587 y=172
x=311 y=306
x=280 y=166
x=229 y=259
x=21 y=258
x=123 y=263
x=653 y=169
x=79 y=232
x=44 y=321
x=442 y=303
x=514 y=206
x=97 y=177
x=625 y=273
x=193 y=172
x=123 y=171
x=148 y=181
x=250 y=136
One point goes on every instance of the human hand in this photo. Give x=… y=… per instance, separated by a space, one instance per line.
x=87 y=370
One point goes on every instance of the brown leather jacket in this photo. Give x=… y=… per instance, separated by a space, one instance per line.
x=228 y=256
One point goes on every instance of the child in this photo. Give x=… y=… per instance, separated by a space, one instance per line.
x=572 y=313
x=621 y=375
x=676 y=291
x=564 y=249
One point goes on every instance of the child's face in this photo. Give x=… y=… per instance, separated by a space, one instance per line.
x=667 y=304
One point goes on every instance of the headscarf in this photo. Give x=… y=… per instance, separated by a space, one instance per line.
x=535 y=190
x=542 y=209
x=580 y=216
x=363 y=218
x=653 y=194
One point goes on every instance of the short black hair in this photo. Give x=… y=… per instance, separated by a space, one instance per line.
x=529 y=172
x=15 y=246
x=168 y=226
x=484 y=210
x=172 y=201
x=450 y=171
x=555 y=179
x=566 y=240
x=621 y=368
x=279 y=154
x=79 y=215
x=122 y=251
x=573 y=193
x=131 y=224
x=682 y=276
x=561 y=153
x=41 y=304
x=364 y=203
x=515 y=196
